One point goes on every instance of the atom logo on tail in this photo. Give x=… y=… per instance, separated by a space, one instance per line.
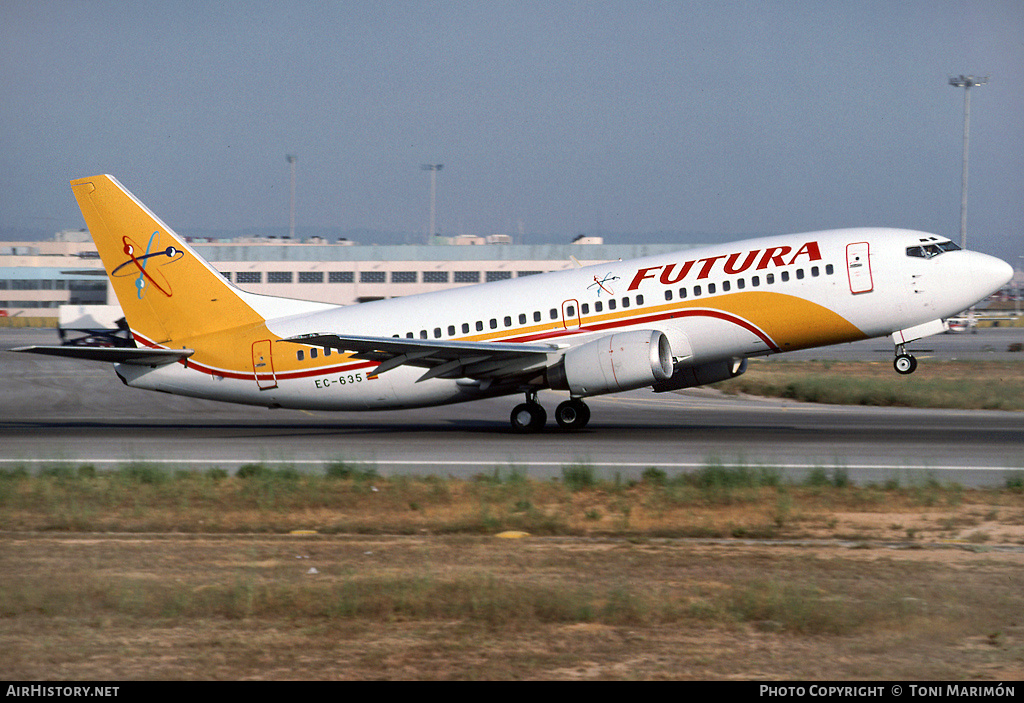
x=138 y=262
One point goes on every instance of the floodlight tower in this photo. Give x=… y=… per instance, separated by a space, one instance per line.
x=433 y=168
x=291 y=159
x=965 y=82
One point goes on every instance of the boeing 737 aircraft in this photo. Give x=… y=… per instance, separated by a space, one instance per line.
x=665 y=322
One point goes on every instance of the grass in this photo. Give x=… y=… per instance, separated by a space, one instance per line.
x=482 y=597
x=463 y=606
x=714 y=501
x=167 y=574
x=979 y=385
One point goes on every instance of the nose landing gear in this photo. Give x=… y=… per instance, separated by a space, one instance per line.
x=904 y=363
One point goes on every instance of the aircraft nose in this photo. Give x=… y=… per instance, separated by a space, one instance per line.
x=998 y=271
x=989 y=273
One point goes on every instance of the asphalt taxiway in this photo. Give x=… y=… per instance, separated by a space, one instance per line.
x=56 y=410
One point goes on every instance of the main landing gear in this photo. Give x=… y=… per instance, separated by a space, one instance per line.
x=529 y=416
x=573 y=414
x=904 y=363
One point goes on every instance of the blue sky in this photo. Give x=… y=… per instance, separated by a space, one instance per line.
x=551 y=118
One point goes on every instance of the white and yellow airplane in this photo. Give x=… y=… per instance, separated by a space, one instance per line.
x=666 y=321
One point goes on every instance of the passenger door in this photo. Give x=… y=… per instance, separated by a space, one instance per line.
x=858 y=267
x=263 y=365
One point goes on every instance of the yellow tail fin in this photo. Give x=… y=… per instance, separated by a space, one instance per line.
x=168 y=292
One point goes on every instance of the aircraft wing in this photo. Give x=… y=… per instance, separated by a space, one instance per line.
x=442 y=359
x=115 y=355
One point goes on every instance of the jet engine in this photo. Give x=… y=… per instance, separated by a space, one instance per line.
x=617 y=362
x=703 y=374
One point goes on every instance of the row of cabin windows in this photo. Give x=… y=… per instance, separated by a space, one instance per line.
x=599 y=306
x=755 y=282
x=613 y=304
x=376 y=276
x=523 y=318
x=313 y=353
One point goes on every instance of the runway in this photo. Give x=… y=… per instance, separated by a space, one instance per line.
x=54 y=410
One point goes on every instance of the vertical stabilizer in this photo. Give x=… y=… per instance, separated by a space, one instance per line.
x=167 y=291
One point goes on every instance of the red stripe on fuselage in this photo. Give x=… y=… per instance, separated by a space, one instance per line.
x=523 y=339
x=633 y=321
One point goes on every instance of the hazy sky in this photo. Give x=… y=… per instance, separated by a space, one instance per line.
x=550 y=117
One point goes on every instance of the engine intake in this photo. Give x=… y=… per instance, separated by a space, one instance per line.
x=617 y=362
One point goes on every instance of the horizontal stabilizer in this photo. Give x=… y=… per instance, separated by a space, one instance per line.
x=114 y=355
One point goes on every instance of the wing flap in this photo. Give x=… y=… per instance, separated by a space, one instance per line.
x=449 y=359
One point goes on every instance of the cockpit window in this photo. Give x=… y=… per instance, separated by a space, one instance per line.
x=930 y=251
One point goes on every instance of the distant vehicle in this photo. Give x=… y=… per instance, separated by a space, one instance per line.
x=666 y=322
x=959 y=325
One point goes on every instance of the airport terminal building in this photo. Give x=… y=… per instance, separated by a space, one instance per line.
x=36 y=278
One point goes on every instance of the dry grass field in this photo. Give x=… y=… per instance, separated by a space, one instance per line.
x=724 y=574
x=979 y=385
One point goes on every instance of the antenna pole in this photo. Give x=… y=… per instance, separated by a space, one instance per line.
x=291 y=158
x=433 y=168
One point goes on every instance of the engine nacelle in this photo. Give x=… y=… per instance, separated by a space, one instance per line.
x=618 y=362
x=712 y=372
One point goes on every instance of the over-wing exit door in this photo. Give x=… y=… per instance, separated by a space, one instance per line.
x=570 y=313
x=858 y=267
